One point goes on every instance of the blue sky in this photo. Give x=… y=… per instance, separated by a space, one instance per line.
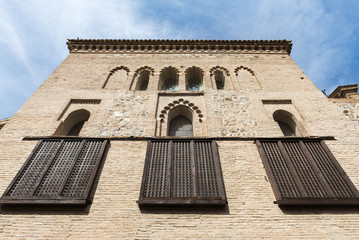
x=33 y=36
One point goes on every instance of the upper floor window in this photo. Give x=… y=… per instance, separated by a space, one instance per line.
x=180 y=126
x=194 y=79
x=220 y=79
x=169 y=79
x=286 y=123
x=143 y=79
x=74 y=123
x=180 y=122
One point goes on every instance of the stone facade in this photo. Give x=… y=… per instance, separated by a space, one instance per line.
x=101 y=76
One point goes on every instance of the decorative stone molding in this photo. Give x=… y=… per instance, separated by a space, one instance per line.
x=78 y=102
x=178 y=46
x=151 y=70
x=113 y=72
x=165 y=68
x=244 y=68
x=194 y=67
x=212 y=70
x=276 y=102
x=180 y=102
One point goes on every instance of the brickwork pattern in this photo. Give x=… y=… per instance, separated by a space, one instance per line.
x=114 y=213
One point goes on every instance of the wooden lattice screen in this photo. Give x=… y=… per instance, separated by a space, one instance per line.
x=57 y=172
x=182 y=172
x=305 y=172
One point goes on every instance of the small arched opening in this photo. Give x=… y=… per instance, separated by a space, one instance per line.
x=220 y=79
x=73 y=124
x=169 y=79
x=180 y=122
x=287 y=123
x=142 y=80
x=194 y=79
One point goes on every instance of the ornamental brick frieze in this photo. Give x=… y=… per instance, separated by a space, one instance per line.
x=178 y=46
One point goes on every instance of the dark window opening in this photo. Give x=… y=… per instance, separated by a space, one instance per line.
x=220 y=79
x=194 y=79
x=286 y=123
x=169 y=79
x=143 y=79
x=75 y=130
x=180 y=126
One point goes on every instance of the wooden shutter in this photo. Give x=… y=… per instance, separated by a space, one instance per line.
x=305 y=172
x=57 y=172
x=182 y=172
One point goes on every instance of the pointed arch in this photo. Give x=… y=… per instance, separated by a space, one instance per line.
x=117 y=75
x=169 y=79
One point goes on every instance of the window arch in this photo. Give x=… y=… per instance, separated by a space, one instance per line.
x=143 y=78
x=180 y=122
x=194 y=79
x=169 y=79
x=73 y=123
x=116 y=77
x=287 y=123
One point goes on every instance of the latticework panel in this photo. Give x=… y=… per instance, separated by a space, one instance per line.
x=83 y=170
x=156 y=172
x=31 y=175
x=331 y=173
x=57 y=170
x=207 y=184
x=181 y=170
x=53 y=179
x=279 y=168
x=304 y=170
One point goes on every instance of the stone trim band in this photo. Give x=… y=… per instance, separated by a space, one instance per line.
x=178 y=46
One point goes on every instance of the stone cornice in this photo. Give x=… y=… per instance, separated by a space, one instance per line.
x=343 y=91
x=178 y=46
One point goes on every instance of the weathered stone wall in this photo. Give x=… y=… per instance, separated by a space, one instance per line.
x=238 y=111
x=350 y=108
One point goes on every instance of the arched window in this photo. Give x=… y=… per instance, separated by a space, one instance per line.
x=286 y=123
x=180 y=126
x=194 y=79
x=169 y=79
x=220 y=79
x=73 y=123
x=180 y=122
x=142 y=80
